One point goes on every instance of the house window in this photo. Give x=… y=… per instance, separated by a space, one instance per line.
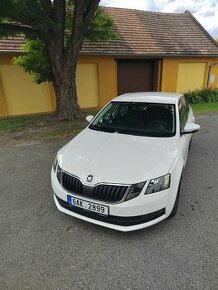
x=191 y=76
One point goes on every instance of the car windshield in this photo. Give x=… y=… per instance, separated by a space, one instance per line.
x=136 y=118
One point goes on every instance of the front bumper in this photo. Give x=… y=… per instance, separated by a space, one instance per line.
x=140 y=212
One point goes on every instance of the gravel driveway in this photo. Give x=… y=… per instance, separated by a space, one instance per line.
x=41 y=248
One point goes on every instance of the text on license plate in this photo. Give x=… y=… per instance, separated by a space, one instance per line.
x=87 y=205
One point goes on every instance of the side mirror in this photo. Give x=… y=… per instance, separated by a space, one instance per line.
x=89 y=118
x=190 y=128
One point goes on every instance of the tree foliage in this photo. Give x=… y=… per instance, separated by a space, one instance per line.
x=35 y=60
x=101 y=27
x=56 y=29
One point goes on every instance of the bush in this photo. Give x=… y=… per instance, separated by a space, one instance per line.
x=202 y=96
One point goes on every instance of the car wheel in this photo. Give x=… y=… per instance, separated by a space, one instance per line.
x=175 y=207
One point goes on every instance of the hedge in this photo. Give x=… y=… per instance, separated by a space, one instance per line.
x=202 y=96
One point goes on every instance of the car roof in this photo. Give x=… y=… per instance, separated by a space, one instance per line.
x=149 y=97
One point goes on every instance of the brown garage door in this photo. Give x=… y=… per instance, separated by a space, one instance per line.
x=136 y=76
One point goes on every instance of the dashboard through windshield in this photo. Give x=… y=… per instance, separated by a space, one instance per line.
x=136 y=118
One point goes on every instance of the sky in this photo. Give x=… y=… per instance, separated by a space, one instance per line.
x=205 y=11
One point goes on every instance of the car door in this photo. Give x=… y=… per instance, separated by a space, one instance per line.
x=185 y=116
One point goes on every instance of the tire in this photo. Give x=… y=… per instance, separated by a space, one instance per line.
x=190 y=144
x=175 y=207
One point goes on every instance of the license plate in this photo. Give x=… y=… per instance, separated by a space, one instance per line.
x=87 y=205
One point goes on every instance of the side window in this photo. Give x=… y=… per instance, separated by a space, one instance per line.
x=183 y=112
x=187 y=107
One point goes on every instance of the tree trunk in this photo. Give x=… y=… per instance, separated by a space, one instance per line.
x=66 y=94
x=63 y=59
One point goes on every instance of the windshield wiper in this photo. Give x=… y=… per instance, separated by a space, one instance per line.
x=104 y=129
x=95 y=128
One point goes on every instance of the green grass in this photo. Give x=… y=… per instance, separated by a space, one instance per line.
x=14 y=124
x=205 y=107
x=46 y=126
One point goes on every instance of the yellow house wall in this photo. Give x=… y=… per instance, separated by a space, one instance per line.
x=3 y=105
x=107 y=81
x=171 y=67
x=87 y=85
x=20 y=94
x=96 y=82
x=214 y=73
x=191 y=76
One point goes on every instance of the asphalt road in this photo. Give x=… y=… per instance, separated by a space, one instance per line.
x=41 y=248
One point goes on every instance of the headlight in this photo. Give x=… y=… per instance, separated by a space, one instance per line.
x=135 y=190
x=55 y=164
x=158 y=184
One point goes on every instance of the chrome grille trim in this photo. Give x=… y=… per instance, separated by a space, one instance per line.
x=104 y=192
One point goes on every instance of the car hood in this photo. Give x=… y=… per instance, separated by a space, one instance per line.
x=117 y=158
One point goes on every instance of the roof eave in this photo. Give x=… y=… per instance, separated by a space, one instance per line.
x=129 y=55
x=144 y=55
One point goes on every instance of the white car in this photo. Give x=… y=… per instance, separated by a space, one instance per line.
x=124 y=170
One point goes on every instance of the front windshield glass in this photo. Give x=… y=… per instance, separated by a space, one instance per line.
x=134 y=118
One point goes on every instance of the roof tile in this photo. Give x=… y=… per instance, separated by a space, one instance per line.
x=142 y=33
x=145 y=33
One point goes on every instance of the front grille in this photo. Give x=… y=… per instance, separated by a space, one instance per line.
x=101 y=192
x=111 y=193
x=71 y=184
